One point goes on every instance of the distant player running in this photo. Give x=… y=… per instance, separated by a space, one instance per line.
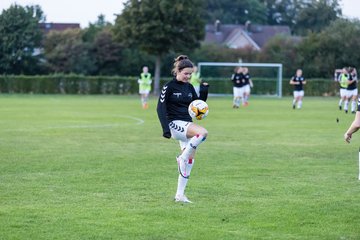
x=238 y=82
x=145 y=86
x=298 y=81
x=248 y=84
x=195 y=80
x=342 y=77
x=351 y=91
x=176 y=122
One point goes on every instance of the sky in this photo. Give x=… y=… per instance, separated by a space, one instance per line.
x=72 y=11
x=85 y=11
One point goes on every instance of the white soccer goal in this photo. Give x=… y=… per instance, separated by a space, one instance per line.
x=277 y=66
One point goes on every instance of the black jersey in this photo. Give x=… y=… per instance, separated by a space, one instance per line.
x=174 y=100
x=298 y=87
x=246 y=78
x=238 y=79
x=352 y=85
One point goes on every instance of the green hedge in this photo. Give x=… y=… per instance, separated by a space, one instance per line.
x=70 y=84
x=268 y=86
x=79 y=84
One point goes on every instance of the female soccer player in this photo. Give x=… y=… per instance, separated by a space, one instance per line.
x=351 y=91
x=298 y=81
x=247 y=85
x=145 y=86
x=195 y=80
x=342 y=78
x=238 y=82
x=176 y=122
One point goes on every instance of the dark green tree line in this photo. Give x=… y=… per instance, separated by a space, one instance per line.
x=20 y=39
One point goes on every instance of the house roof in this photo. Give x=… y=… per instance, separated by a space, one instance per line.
x=47 y=27
x=256 y=35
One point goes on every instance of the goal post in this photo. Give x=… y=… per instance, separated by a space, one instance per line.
x=278 y=66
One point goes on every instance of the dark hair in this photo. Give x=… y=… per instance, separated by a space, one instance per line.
x=180 y=63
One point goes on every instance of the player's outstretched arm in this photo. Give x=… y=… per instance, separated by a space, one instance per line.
x=354 y=127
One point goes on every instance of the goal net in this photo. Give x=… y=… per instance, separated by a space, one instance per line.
x=267 y=77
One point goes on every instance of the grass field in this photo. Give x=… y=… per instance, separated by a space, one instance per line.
x=96 y=167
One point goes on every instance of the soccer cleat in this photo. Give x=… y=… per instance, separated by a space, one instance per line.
x=182 y=198
x=353 y=112
x=294 y=106
x=340 y=108
x=346 y=111
x=182 y=167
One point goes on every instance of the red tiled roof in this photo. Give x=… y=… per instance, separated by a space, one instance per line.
x=47 y=27
x=260 y=34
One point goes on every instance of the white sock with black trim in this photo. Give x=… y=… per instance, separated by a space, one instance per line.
x=182 y=182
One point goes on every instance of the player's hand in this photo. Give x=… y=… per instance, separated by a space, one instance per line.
x=167 y=135
x=347 y=137
x=205 y=84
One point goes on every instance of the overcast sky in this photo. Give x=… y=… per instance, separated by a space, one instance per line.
x=85 y=11
x=73 y=11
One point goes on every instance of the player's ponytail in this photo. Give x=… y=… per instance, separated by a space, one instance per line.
x=180 y=63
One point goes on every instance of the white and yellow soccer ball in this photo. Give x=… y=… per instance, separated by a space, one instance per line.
x=198 y=109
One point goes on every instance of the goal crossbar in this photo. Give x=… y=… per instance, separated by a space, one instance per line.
x=235 y=64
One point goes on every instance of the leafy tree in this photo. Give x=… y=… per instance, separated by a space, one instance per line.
x=94 y=28
x=235 y=11
x=159 y=27
x=132 y=60
x=334 y=47
x=317 y=15
x=20 y=36
x=66 y=52
x=107 y=53
x=302 y=15
x=281 y=49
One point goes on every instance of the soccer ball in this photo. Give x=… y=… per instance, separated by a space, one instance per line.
x=198 y=109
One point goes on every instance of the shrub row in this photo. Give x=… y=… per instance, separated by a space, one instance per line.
x=79 y=84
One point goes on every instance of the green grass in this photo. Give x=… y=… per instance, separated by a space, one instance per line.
x=87 y=167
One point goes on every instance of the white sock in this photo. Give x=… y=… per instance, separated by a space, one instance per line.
x=294 y=101
x=299 y=105
x=346 y=105
x=353 y=106
x=340 y=102
x=246 y=99
x=182 y=182
x=237 y=102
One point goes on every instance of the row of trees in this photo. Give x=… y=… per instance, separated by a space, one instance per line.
x=153 y=32
x=302 y=16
